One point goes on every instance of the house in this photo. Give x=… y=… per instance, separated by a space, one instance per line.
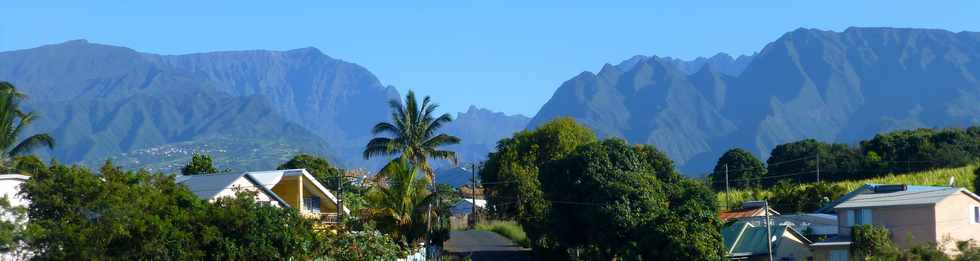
x=749 y=209
x=810 y=224
x=215 y=186
x=10 y=186
x=747 y=241
x=940 y=215
x=294 y=188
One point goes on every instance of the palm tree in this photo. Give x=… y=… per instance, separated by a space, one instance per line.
x=412 y=134
x=399 y=203
x=13 y=121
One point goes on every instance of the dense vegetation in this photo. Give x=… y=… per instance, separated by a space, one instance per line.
x=578 y=198
x=76 y=214
x=893 y=152
x=805 y=196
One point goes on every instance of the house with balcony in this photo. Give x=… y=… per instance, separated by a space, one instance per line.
x=923 y=215
x=293 y=188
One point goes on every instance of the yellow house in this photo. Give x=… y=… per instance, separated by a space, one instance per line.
x=294 y=188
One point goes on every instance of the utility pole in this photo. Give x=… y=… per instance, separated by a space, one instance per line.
x=473 y=194
x=340 y=195
x=728 y=193
x=818 y=166
x=768 y=229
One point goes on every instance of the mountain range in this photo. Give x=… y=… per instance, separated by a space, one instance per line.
x=252 y=109
x=249 y=109
x=831 y=86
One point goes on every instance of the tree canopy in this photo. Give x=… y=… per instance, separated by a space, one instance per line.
x=609 y=200
x=13 y=123
x=200 y=164
x=413 y=134
x=744 y=170
x=320 y=168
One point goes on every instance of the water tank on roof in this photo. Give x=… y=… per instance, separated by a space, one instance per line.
x=890 y=188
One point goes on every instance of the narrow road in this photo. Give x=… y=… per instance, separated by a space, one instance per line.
x=484 y=245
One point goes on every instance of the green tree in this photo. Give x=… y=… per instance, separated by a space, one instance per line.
x=14 y=230
x=510 y=175
x=412 y=134
x=320 y=168
x=200 y=164
x=789 y=198
x=872 y=242
x=615 y=197
x=365 y=244
x=13 y=122
x=398 y=205
x=126 y=215
x=743 y=169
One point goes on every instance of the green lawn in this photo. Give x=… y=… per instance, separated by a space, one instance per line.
x=964 y=178
x=508 y=229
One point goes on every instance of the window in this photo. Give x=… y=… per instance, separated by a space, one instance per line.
x=838 y=255
x=860 y=216
x=975 y=214
x=865 y=216
x=312 y=204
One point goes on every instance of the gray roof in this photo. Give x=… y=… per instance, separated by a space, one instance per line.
x=207 y=186
x=901 y=198
x=869 y=188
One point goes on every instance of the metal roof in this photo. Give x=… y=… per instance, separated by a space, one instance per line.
x=206 y=186
x=869 y=188
x=899 y=198
x=745 y=239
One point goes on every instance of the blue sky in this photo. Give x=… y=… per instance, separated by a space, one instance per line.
x=508 y=56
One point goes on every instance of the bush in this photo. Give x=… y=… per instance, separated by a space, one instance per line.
x=508 y=229
x=873 y=241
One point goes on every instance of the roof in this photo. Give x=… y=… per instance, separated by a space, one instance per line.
x=901 y=198
x=833 y=241
x=270 y=178
x=14 y=177
x=745 y=239
x=726 y=216
x=208 y=186
x=869 y=188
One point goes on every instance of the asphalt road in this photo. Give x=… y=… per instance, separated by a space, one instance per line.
x=484 y=245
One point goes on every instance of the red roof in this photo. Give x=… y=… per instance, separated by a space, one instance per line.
x=741 y=213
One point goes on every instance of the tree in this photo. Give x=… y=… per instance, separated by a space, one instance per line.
x=14 y=230
x=872 y=242
x=510 y=175
x=13 y=122
x=412 y=134
x=804 y=198
x=320 y=168
x=125 y=215
x=200 y=164
x=743 y=169
x=364 y=244
x=398 y=206
x=609 y=200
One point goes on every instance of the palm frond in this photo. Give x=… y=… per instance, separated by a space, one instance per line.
x=31 y=143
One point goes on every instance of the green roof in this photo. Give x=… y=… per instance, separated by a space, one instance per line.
x=744 y=239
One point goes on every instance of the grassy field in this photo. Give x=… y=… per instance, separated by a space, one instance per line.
x=508 y=229
x=964 y=178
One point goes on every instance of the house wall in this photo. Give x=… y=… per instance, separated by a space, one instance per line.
x=954 y=221
x=326 y=204
x=822 y=253
x=909 y=225
x=288 y=189
x=9 y=187
x=792 y=248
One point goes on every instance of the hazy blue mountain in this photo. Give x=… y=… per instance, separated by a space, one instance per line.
x=652 y=103
x=480 y=129
x=833 y=86
x=103 y=101
x=249 y=109
x=722 y=63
